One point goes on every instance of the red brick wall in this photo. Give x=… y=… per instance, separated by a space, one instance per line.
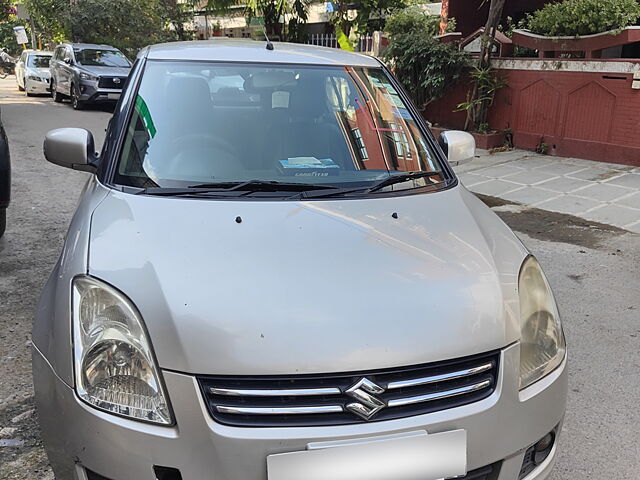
x=577 y=114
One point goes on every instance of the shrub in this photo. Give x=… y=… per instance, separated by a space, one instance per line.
x=425 y=66
x=584 y=17
x=412 y=19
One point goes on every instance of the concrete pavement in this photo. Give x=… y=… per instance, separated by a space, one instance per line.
x=601 y=192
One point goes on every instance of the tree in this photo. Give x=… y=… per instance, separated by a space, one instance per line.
x=425 y=66
x=8 y=38
x=126 y=24
x=369 y=14
x=176 y=15
x=583 y=17
x=481 y=96
x=273 y=13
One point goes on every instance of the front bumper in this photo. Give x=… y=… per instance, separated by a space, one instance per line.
x=91 y=93
x=41 y=86
x=499 y=428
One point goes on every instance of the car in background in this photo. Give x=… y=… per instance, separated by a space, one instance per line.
x=88 y=73
x=32 y=71
x=5 y=179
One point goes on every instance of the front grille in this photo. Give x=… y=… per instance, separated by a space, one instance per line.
x=341 y=399
x=490 y=472
x=112 y=82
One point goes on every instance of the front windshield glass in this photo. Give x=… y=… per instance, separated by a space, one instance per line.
x=197 y=123
x=101 y=58
x=38 y=61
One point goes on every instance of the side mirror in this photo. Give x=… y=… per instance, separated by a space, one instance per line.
x=459 y=147
x=72 y=148
x=68 y=61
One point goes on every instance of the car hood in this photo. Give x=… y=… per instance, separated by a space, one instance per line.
x=310 y=287
x=105 y=71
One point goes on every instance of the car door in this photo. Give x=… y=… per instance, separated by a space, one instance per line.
x=66 y=71
x=53 y=64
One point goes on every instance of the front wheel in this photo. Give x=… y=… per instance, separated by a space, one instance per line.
x=75 y=99
x=54 y=93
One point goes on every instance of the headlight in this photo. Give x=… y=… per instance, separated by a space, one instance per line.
x=86 y=76
x=115 y=369
x=542 y=345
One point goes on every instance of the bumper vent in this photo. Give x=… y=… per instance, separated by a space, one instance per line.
x=528 y=465
x=112 y=82
x=342 y=399
x=489 y=472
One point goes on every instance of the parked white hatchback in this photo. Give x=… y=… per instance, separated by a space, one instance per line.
x=32 y=71
x=273 y=273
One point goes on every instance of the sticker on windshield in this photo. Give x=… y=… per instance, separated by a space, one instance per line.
x=280 y=100
x=308 y=167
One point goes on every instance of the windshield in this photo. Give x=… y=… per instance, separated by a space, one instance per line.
x=204 y=123
x=101 y=58
x=38 y=61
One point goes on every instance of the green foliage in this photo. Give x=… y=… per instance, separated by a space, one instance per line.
x=272 y=11
x=425 y=66
x=7 y=37
x=51 y=18
x=414 y=19
x=486 y=82
x=7 y=10
x=369 y=16
x=126 y=24
x=584 y=17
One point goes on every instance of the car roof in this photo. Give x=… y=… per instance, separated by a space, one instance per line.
x=81 y=46
x=39 y=52
x=247 y=51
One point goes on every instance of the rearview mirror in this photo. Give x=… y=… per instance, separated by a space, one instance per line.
x=459 y=147
x=72 y=148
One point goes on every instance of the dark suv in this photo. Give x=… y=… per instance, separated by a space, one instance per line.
x=87 y=73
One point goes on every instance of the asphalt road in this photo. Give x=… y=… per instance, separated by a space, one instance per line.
x=595 y=273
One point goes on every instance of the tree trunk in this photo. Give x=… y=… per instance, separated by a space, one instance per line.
x=479 y=111
x=489 y=35
x=444 y=13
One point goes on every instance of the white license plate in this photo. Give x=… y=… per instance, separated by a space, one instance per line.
x=113 y=96
x=413 y=456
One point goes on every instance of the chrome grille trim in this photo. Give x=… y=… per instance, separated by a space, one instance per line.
x=399 y=402
x=280 y=410
x=292 y=392
x=439 y=378
x=349 y=398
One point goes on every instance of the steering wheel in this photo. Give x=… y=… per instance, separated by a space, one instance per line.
x=201 y=157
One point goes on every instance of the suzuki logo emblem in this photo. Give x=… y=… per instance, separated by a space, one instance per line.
x=116 y=80
x=368 y=404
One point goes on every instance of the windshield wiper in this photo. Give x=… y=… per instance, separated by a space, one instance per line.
x=236 y=189
x=263 y=186
x=404 y=177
